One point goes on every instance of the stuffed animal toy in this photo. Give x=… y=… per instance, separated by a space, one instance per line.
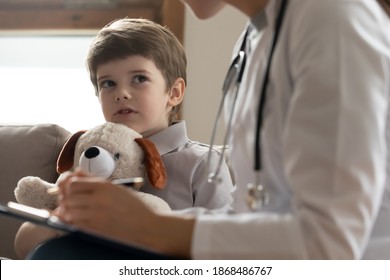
x=111 y=151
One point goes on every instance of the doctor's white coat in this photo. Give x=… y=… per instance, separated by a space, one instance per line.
x=324 y=142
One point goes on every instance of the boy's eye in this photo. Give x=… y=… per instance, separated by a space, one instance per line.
x=107 y=84
x=140 y=78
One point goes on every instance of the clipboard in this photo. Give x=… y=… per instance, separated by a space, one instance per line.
x=36 y=216
x=44 y=218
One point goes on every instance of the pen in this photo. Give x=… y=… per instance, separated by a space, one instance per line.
x=135 y=182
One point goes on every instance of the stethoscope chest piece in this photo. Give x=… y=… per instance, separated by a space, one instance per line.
x=257 y=197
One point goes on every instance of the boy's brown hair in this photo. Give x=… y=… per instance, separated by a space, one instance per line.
x=127 y=37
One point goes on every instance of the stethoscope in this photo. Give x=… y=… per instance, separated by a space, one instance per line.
x=257 y=195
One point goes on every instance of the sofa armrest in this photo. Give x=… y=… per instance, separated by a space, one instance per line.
x=25 y=150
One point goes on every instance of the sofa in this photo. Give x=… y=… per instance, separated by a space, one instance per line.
x=25 y=150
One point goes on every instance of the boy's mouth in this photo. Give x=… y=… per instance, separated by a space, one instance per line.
x=124 y=111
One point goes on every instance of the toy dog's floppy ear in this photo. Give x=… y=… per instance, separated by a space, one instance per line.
x=155 y=168
x=65 y=159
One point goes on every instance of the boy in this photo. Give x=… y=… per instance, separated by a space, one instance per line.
x=138 y=69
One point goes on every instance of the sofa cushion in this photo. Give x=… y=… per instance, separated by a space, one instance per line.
x=25 y=150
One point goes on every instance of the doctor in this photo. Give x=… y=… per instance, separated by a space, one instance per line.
x=322 y=152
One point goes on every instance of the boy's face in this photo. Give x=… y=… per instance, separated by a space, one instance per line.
x=132 y=91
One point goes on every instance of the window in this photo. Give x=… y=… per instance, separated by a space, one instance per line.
x=44 y=79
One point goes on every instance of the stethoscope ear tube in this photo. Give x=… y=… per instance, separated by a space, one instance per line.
x=234 y=73
x=233 y=79
x=257 y=196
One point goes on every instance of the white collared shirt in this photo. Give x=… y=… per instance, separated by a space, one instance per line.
x=187 y=171
x=324 y=140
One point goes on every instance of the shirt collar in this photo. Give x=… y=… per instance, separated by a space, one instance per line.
x=258 y=22
x=264 y=17
x=170 y=138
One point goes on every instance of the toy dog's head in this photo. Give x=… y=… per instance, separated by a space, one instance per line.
x=113 y=151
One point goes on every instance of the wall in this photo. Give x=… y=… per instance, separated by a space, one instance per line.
x=209 y=45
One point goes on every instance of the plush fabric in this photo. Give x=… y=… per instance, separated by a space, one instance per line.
x=25 y=150
x=111 y=151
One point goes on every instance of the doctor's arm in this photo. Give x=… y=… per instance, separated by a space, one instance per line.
x=111 y=210
x=339 y=97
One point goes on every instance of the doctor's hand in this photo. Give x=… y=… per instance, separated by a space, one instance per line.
x=95 y=204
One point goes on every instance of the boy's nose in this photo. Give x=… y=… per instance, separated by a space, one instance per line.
x=119 y=98
x=122 y=95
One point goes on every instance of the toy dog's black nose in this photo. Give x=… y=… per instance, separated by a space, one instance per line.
x=92 y=152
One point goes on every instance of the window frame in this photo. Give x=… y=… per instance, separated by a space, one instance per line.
x=74 y=16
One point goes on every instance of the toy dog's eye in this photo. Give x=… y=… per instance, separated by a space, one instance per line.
x=117 y=156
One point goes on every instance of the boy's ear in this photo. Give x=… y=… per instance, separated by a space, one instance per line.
x=177 y=92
